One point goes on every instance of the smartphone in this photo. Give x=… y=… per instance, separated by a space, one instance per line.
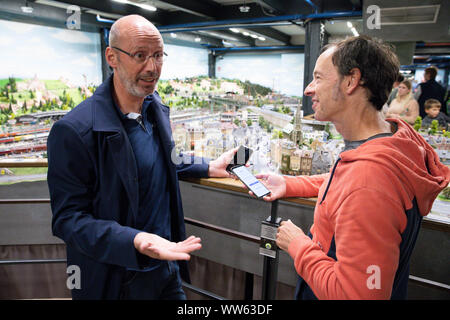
x=255 y=186
x=240 y=158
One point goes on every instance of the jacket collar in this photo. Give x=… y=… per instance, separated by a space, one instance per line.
x=105 y=117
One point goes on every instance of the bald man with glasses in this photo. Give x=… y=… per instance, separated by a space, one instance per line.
x=114 y=189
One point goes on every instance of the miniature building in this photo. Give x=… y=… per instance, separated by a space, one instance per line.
x=275 y=151
x=297 y=131
x=321 y=161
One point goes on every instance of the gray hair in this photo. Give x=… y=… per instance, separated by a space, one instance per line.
x=114 y=35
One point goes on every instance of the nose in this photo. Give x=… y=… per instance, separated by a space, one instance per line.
x=309 y=90
x=151 y=64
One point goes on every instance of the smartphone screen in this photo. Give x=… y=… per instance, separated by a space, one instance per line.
x=240 y=157
x=255 y=186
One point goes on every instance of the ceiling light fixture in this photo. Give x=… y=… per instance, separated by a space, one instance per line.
x=262 y=38
x=244 y=8
x=355 y=33
x=140 y=5
x=26 y=8
x=245 y=33
x=234 y=30
x=173 y=35
x=197 y=39
x=349 y=24
x=146 y=7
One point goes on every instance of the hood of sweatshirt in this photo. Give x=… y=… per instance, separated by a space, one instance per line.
x=411 y=159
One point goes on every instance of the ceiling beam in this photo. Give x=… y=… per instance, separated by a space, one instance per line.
x=272 y=34
x=156 y=17
x=201 y=8
x=289 y=6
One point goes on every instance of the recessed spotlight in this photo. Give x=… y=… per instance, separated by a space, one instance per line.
x=173 y=35
x=26 y=8
x=244 y=9
x=262 y=38
x=254 y=36
x=245 y=33
x=197 y=39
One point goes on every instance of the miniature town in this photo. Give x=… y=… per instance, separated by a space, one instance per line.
x=208 y=117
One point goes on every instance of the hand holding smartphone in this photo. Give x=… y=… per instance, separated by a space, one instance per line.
x=250 y=181
x=238 y=168
x=240 y=158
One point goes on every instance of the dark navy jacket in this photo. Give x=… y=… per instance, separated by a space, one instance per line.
x=92 y=179
x=431 y=89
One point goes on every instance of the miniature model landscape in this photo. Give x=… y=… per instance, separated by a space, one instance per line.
x=208 y=116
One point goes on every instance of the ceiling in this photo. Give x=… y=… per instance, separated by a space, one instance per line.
x=253 y=22
x=273 y=24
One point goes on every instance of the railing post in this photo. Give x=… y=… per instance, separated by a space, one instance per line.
x=270 y=268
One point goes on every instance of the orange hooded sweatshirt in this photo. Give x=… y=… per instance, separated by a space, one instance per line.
x=363 y=211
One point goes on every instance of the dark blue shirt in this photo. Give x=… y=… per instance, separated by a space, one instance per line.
x=154 y=196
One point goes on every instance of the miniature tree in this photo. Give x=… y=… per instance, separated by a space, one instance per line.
x=418 y=123
x=327 y=130
x=434 y=127
x=445 y=194
x=12 y=83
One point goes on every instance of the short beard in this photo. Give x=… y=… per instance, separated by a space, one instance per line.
x=131 y=87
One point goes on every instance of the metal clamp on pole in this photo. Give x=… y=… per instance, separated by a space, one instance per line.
x=269 y=250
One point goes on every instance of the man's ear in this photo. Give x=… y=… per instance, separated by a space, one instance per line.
x=110 y=57
x=353 y=80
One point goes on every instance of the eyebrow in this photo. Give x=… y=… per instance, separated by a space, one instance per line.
x=147 y=48
x=315 y=73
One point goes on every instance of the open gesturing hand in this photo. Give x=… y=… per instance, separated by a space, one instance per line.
x=156 y=247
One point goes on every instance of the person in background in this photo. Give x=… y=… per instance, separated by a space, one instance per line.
x=429 y=89
x=370 y=206
x=394 y=91
x=113 y=179
x=404 y=106
x=433 y=111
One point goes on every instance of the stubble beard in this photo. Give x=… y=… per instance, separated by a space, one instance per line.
x=131 y=85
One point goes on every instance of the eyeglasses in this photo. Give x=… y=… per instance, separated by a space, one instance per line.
x=140 y=56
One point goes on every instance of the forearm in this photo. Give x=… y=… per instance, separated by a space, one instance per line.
x=193 y=167
x=304 y=186
x=104 y=241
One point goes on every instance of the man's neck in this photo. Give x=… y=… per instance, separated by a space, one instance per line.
x=361 y=123
x=127 y=103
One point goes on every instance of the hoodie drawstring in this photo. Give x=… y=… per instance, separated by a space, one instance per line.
x=329 y=181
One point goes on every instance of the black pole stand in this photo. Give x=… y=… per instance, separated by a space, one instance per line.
x=270 y=251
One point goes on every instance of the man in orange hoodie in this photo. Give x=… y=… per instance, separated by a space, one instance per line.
x=371 y=204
